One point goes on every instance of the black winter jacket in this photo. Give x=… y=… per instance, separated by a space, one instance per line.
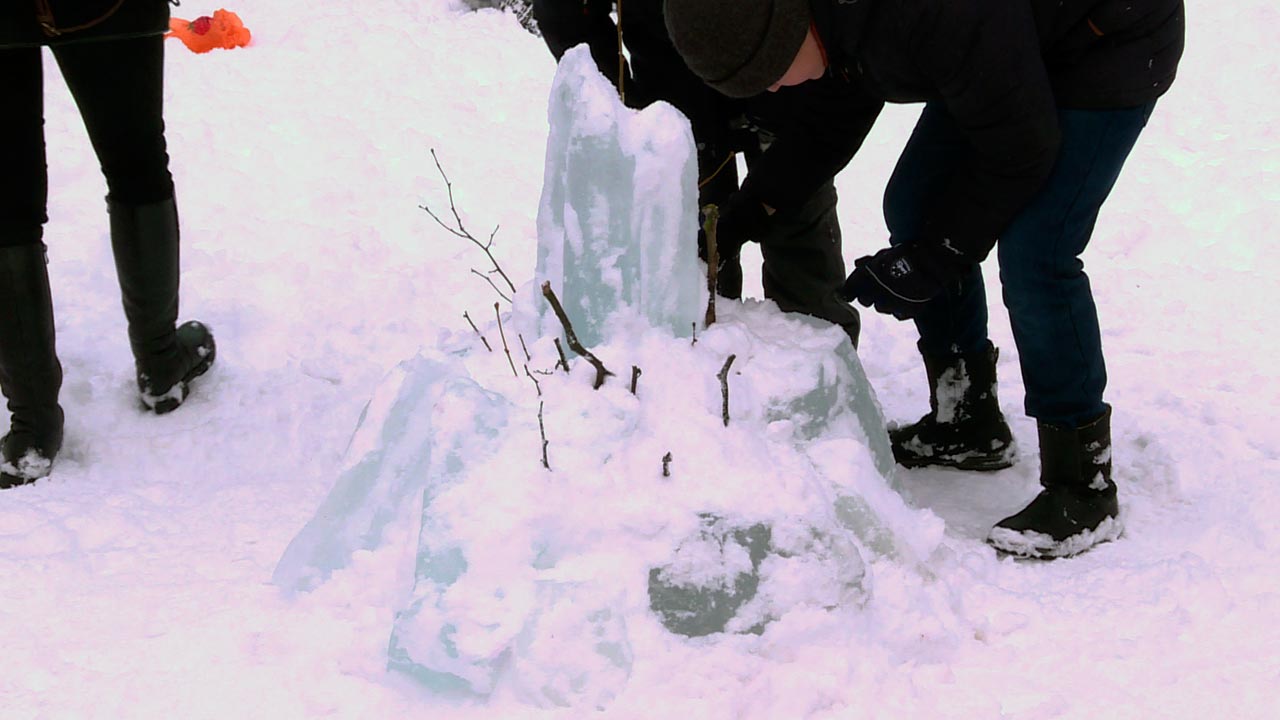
x=1001 y=69
x=19 y=26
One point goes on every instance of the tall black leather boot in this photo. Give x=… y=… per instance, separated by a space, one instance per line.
x=144 y=240
x=30 y=374
x=964 y=428
x=1077 y=508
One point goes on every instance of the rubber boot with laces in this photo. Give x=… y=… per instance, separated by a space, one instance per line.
x=1078 y=508
x=964 y=428
x=144 y=240
x=30 y=374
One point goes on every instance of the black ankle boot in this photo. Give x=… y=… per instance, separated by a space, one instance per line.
x=30 y=374
x=144 y=239
x=1078 y=507
x=964 y=428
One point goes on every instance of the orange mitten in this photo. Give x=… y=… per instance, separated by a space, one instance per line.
x=223 y=30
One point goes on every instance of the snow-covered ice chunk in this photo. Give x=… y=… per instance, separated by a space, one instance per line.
x=400 y=444
x=617 y=223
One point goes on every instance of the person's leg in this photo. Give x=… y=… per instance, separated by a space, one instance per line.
x=1051 y=308
x=803 y=264
x=964 y=427
x=24 y=184
x=1055 y=325
x=118 y=86
x=956 y=322
x=30 y=374
x=119 y=89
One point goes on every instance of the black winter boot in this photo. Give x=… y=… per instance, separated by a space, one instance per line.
x=1077 y=508
x=144 y=239
x=30 y=374
x=964 y=428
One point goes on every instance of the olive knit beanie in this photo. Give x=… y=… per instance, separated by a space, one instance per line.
x=739 y=47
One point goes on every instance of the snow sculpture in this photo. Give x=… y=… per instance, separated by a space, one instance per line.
x=614 y=228
x=661 y=511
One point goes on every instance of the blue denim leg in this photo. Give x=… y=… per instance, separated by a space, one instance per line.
x=1051 y=309
x=956 y=322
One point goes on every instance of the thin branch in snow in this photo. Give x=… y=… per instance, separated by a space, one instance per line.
x=536 y=386
x=666 y=465
x=506 y=349
x=563 y=361
x=489 y=280
x=527 y=357
x=724 y=388
x=543 y=430
x=695 y=334
x=473 y=327
x=711 y=215
x=462 y=232
x=635 y=376
x=572 y=337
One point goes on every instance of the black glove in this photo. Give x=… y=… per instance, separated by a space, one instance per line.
x=899 y=280
x=742 y=219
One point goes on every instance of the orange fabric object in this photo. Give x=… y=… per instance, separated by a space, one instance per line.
x=223 y=30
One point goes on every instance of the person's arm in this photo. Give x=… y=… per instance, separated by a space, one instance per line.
x=567 y=23
x=826 y=123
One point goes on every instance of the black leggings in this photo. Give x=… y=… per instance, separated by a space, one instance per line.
x=118 y=86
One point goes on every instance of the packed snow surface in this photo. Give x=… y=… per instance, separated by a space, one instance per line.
x=137 y=581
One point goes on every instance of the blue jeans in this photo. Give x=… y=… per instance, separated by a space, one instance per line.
x=1045 y=289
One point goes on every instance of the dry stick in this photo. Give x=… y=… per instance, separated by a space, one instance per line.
x=666 y=465
x=574 y=344
x=504 y=341
x=563 y=362
x=695 y=334
x=462 y=232
x=724 y=388
x=473 y=327
x=635 y=375
x=527 y=357
x=489 y=280
x=536 y=386
x=543 y=430
x=711 y=215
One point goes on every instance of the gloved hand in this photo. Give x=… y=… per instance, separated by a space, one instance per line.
x=742 y=219
x=899 y=280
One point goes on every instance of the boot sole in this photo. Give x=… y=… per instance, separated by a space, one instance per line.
x=1038 y=546
x=169 y=402
x=970 y=463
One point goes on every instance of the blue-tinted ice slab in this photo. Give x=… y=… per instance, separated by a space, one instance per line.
x=617 y=224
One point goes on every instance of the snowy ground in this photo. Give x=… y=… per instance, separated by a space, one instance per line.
x=134 y=582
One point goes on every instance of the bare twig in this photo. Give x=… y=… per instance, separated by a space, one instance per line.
x=527 y=357
x=473 y=327
x=563 y=361
x=504 y=341
x=635 y=376
x=536 y=386
x=462 y=232
x=489 y=280
x=695 y=334
x=574 y=344
x=543 y=430
x=711 y=216
x=724 y=388
x=666 y=465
